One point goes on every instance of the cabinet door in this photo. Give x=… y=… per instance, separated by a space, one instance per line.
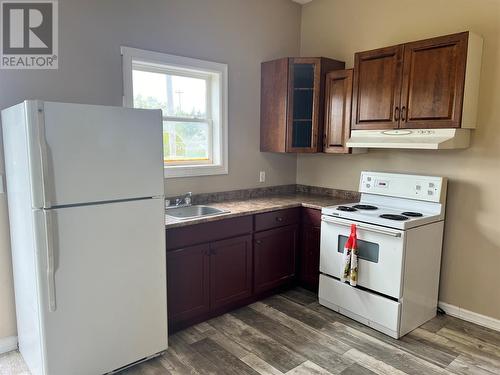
x=230 y=271
x=273 y=105
x=309 y=253
x=274 y=257
x=188 y=282
x=338 y=93
x=433 y=82
x=377 y=88
x=309 y=256
x=303 y=110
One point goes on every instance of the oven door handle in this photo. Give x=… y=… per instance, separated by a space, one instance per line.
x=375 y=230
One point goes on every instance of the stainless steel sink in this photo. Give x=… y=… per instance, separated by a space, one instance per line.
x=191 y=212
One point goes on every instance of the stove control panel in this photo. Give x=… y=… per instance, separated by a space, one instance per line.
x=426 y=188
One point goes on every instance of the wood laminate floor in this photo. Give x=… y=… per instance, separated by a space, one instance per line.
x=291 y=333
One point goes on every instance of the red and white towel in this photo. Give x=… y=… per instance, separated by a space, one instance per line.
x=349 y=270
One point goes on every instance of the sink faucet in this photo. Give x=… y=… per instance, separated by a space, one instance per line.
x=184 y=201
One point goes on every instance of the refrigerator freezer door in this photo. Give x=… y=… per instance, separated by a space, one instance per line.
x=104 y=305
x=88 y=153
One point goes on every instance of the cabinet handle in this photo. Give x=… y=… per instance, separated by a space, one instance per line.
x=279 y=219
x=258 y=242
x=403 y=113
x=396 y=113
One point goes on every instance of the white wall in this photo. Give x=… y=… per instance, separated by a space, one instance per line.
x=240 y=33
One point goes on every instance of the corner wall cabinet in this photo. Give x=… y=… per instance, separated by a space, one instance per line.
x=433 y=83
x=292 y=103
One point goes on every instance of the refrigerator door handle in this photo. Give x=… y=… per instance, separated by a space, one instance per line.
x=39 y=154
x=49 y=244
x=43 y=155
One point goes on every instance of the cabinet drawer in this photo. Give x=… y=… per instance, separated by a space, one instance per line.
x=276 y=219
x=207 y=232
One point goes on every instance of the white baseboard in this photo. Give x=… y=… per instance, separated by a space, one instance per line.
x=8 y=344
x=470 y=316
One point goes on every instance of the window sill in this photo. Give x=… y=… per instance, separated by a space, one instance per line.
x=194 y=170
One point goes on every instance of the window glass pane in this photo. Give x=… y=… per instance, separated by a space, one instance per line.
x=176 y=96
x=150 y=90
x=185 y=141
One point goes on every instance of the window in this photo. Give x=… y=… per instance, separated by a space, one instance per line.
x=192 y=95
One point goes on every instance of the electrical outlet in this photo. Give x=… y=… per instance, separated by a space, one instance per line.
x=262 y=176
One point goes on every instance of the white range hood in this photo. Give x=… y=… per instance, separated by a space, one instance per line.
x=422 y=139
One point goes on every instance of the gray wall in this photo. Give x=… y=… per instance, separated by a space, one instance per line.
x=240 y=33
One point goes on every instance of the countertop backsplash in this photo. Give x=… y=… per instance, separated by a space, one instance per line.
x=242 y=194
x=260 y=200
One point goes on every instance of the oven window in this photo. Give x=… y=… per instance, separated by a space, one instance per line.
x=366 y=250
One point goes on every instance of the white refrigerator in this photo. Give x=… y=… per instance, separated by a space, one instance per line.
x=86 y=210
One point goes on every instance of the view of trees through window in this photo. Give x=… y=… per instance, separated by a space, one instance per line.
x=183 y=101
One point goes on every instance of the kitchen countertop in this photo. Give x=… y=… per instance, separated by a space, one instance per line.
x=259 y=205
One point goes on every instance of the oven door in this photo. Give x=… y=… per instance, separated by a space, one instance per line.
x=380 y=259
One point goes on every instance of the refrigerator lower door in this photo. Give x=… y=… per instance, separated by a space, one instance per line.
x=102 y=285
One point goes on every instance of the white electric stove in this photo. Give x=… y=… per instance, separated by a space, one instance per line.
x=400 y=221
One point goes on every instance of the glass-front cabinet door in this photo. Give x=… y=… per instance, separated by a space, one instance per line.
x=292 y=103
x=303 y=105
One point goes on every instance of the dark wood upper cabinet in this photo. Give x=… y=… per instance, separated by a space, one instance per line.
x=338 y=94
x=230 y=271
x=273 y=105
x=433 y=83
x=292 y=109
x=377 y=88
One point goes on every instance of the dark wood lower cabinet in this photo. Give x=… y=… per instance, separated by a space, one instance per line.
x=230 y=271
x=274 y=257
x=309 y=253
x=208 y=279
x=188 y=282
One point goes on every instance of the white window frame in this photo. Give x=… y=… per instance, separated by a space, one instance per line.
x=217 y=88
